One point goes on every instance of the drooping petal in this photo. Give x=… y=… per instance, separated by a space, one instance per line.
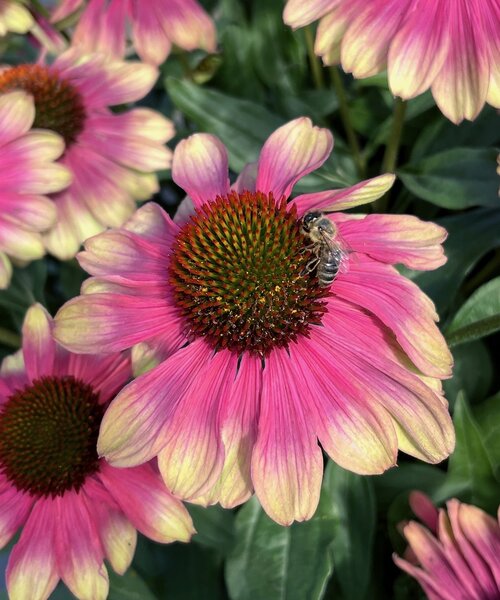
x=17 y=113
x=39 y=348
x=461 y=86
x=239 y=431
x=425 y=510
x=117 y=534
x=287 y=465
x=14 y=510
x=79 y=552
x=298 y=13
x=419 y=49
x=402 y=307
x=193 y=456
x=200 y=167
x=343 y=199
x=32 y=571
x=131 y=428
x=149 y=36
x=367 y=40
x=331 y=30
x=395 y=239
x=291 y=152
x=114 y=322
x=359 y=436
x=147 y=503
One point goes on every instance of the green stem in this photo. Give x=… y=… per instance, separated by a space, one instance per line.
x=9 y=338
x=316 y=67
x=352 y=138
x=390 y=159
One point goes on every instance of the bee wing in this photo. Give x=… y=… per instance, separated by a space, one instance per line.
x=338 y=245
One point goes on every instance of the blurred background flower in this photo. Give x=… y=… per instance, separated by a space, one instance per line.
x=450 y=46
x=112 y=156
x=73 y=508
x=14 y=17
x=456 y=556
x=28 y=174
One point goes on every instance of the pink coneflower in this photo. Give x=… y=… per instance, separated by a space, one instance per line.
x=457 y=556
x=112 y=156
x=259 y=361
x=15 y=17
x=155 y=25
x=450 y=46
x=28 y=172
x=74 y=509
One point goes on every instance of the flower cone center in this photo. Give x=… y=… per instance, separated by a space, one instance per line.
x=239 y=278
x=58 y=104
x=48 y=435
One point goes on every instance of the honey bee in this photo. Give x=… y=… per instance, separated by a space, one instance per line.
x=330 y=256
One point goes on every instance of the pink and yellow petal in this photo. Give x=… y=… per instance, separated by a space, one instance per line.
x=19 y=243
x=200 y=167
x=192 y=459
x=15 y=508
x=15 y=17
x=5 y=271
x=79 y=553
x=419 y=49
x=298 y=13
x=239 y=422
x=150 y=38
x=395 y=239
x=336 y=200
x=188 y=25
x=287 y=465
x=331 y=30
x=132 y=428
x=32 y=570
x=39 y=348
x=148 y=505
x=36 y=213
x=17 y=113
x=291 y=152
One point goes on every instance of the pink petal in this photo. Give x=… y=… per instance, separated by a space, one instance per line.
x=331 y=30
x=431 y=585
x=287 y=466
x=290 y=153
x=64 y=9
x=461 y=86
x=424 y=509
x=5 y=271
x=118 y=536
x=38 y=344
x=187 y=24
x=17 y=113
x=240 y=414
x=298 y=13
x=102 y=27
x=113 y=322
x=343 y=199
x=31 y=212
x=149 y=34
x=246 y=179
x=78 y=548
x=402 y=307
x=200 y=167
x=358 y=435
x=131 y=428
x=147 y=503
x=192 y=458
x=395 y=239
x=419 y=49
x=32 y=570
x=14 y=510
x=366 y=43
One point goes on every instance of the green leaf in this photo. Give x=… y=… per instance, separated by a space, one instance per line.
x=270 y=561
x=455 y=179
x=352 y=502
x=470 y=236
x=128 y=587
x=26 y=288
x=214 y=527
x=487 y=415
x=472 y=372
x=478 y=317
x=470 y=469
x=244 y=126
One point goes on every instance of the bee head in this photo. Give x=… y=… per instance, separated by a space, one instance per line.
x=309 y=219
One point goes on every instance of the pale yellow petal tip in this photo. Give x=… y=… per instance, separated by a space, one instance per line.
x=5 y=271
x=16 y=18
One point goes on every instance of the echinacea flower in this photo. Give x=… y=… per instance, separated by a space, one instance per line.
x=27 y=173
x=74 y=510
x=259 y=361
x=457 y=555
x=450 y=46
x=15 y=17
x=112 y=156
x=155 y=25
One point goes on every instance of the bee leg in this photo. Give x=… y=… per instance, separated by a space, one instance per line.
x=311 y=265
